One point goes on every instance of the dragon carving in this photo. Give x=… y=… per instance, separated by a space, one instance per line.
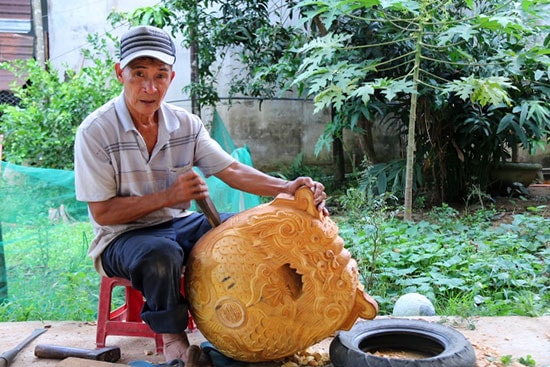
x=274 y=280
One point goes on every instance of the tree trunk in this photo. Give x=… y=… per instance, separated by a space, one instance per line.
x=338 y=156
x=194 y=60
x=3 y=272
x=411 y=143
x=194 y=34
x=339 y=162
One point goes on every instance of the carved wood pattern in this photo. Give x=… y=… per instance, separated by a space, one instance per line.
x=274 y=280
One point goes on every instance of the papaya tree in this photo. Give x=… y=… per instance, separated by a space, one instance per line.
x=424 y=60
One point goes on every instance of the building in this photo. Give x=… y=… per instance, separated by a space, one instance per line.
x=17 y=40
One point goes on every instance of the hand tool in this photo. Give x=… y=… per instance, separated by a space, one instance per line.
x=7 y=357
x=210 y=211
x=206 y=205
x=108 y=354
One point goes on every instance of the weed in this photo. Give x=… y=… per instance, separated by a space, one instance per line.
x=298 y=168
x=49 y=274
x=477 y=196
x=465 y=265
x=527 y=361
x=368 y=213
x=507 y=359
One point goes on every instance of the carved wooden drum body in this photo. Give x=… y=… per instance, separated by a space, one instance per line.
x=274 y=280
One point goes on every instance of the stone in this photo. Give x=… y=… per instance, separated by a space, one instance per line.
x=413 y=304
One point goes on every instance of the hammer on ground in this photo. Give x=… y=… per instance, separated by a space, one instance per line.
x=107 y=354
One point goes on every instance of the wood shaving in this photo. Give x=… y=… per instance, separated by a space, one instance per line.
x=307 y=358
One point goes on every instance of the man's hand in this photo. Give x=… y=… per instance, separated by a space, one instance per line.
x=318 y=189
x=124 y=209
x=188 y=186
x=246 y=178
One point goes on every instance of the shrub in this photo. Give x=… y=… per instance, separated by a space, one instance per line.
x=40 y=130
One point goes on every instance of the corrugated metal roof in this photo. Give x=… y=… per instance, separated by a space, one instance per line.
x=15 y=25
x=15 y=43
x=12 y=47
x=15 y=9
x=15 y=46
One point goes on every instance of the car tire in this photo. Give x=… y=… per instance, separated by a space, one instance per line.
x=443 y=346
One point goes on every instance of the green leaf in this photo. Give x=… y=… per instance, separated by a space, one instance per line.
x=505 y=122
x=350 y=6
x=465 y=31
x=501 y=22
x=401 y=5
x=539 y=74
x=524 y=113
x=399 y=86
x=485 y=91
x=324 y=142
x=364 y=92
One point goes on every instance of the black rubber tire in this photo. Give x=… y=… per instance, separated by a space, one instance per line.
x=445 y=346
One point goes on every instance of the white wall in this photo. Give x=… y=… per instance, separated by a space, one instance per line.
x=70 y=21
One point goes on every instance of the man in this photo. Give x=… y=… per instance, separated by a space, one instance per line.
x=133 y=159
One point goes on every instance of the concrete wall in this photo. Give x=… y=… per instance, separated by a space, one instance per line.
x=278 y=132
x=70 y=22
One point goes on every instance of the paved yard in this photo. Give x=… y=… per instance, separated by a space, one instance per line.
x=492 y=338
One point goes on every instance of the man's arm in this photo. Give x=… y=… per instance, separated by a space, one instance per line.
x=119 y=210
x=246 y=178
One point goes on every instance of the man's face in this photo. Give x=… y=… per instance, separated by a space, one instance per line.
x=146 y=81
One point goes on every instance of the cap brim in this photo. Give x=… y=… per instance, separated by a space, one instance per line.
x=167 y=59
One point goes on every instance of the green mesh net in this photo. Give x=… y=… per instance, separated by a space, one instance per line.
x=42 y=234
x=31 y=195
x=45 y=233
x=219 y=133
x=224 y=197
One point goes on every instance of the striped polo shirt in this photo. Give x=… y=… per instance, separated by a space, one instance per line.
x=111 y=159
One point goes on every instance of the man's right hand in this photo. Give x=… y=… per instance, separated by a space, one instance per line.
x=187 y=187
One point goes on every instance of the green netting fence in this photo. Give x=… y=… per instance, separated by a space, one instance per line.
x=45 y=273
x=224 y=197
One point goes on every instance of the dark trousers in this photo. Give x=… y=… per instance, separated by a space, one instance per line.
x=153 y=259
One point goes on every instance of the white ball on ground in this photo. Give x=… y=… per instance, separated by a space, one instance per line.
x=413 y=304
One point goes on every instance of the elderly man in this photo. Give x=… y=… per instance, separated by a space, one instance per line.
x=133 y=160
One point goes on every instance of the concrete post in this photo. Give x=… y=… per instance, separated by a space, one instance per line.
x=39 y=47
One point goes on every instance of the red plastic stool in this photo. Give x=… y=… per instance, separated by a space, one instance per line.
x=125 y=320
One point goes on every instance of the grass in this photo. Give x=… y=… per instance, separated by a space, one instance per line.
x=49 y=274
x=466 y=265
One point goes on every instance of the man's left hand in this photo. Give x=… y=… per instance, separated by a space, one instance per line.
x=318 y=189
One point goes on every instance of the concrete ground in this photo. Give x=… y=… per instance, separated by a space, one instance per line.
x=491 y=337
